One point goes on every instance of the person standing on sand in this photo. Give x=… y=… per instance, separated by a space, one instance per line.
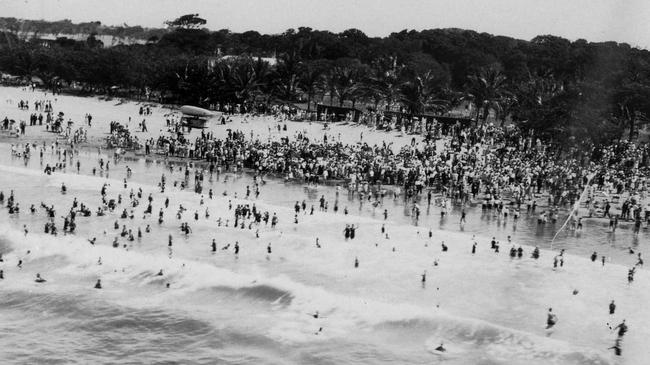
x=551 y=319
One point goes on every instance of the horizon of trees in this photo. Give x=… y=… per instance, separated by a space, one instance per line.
x=66 y=26
x=558 y=88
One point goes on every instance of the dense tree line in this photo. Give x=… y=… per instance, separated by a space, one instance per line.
x=559 y=88
x=66 y=26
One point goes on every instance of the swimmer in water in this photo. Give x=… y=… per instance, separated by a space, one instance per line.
x=617 y=347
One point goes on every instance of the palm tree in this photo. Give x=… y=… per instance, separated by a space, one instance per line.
x=505 y=107
x=344 y=79
x=285 y=75
x=241 y=79
x=311 y=79
x=263 y=76
x=385 y=80
x=485 y=89
x=420 y=93
x=244 y=81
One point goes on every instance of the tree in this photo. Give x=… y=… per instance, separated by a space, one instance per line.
x=311 y=78
x=485 y=89
x=188 y=21
x=632 y=106
x=344 y=79
x=93 y=42
x=384 y=81
x=539 y=102
x=285 y=75
x=192 y=41
x=551 y=52
x=240 y=80
x=420 y=93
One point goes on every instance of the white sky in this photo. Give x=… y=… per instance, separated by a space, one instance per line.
x=595 y=20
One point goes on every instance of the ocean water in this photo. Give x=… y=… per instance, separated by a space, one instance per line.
x=256 y=308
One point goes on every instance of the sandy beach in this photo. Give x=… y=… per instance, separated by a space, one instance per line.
x=105 y=111
x=487 y=307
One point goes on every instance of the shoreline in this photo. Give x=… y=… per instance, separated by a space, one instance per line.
x=98 y=132
x=95 y=144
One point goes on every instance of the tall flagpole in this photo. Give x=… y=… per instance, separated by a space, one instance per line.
x=576 y=206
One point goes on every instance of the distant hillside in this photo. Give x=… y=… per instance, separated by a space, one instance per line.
x=109 y=35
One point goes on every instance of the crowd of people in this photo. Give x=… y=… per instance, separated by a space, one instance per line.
x=498 y=165
x=121 y=137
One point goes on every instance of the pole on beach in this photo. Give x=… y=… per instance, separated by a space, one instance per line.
x=576 y=205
